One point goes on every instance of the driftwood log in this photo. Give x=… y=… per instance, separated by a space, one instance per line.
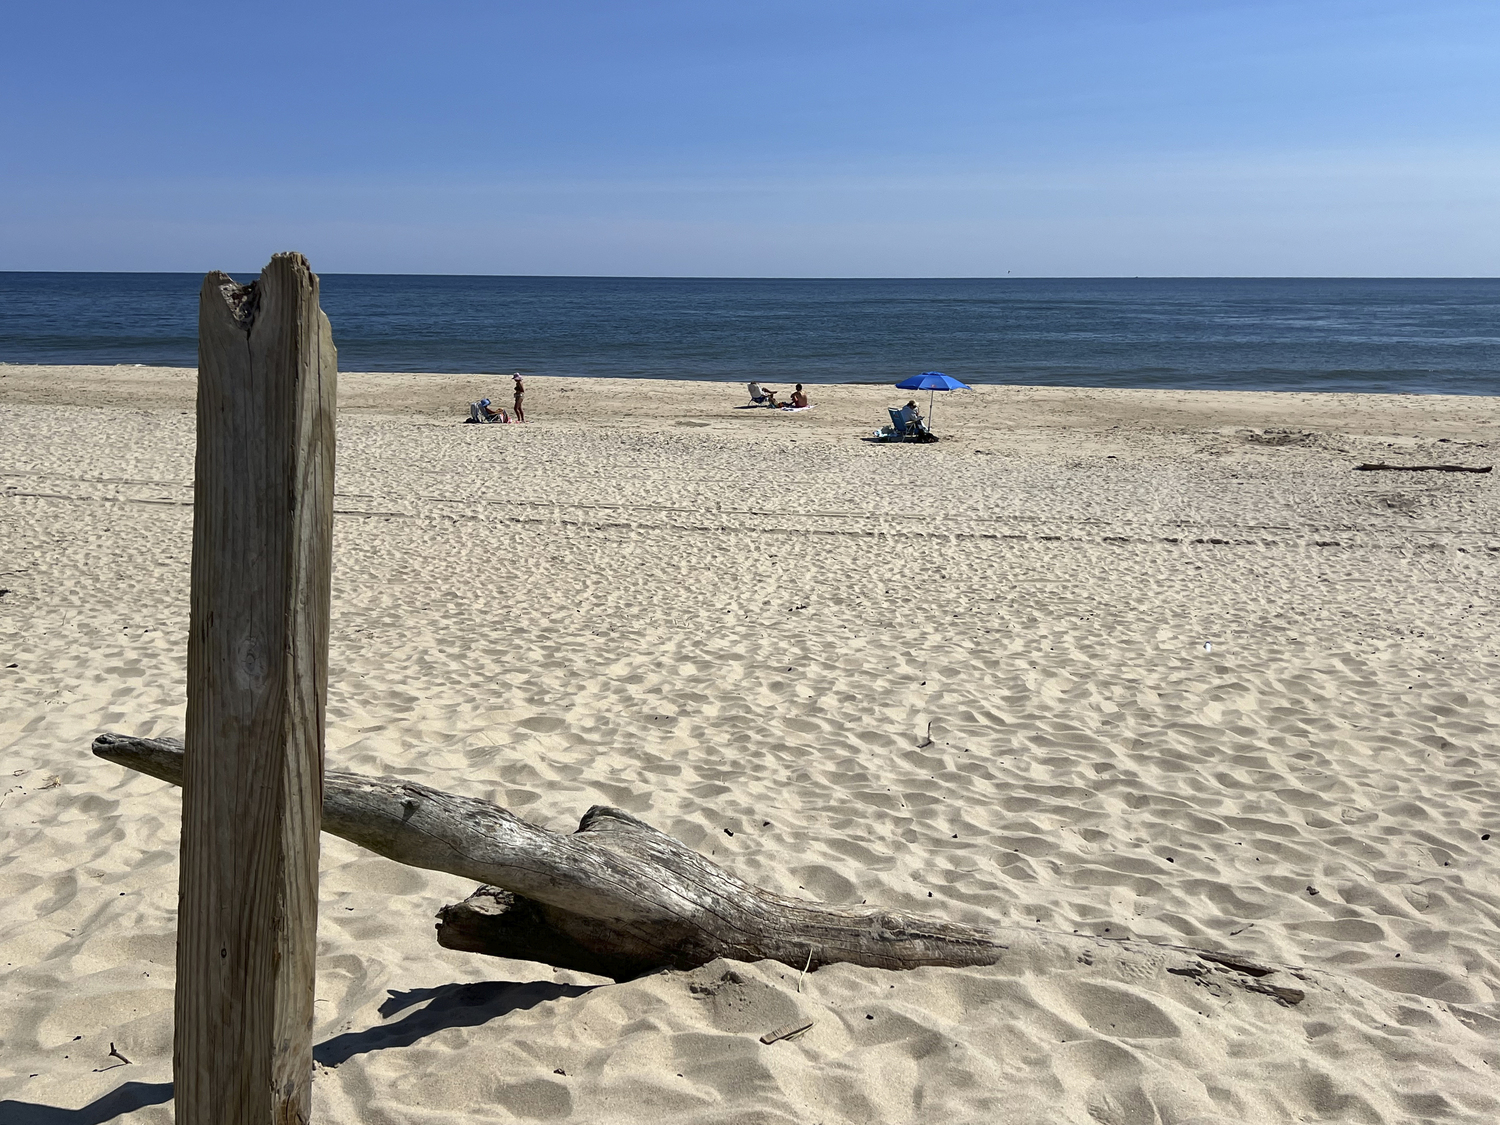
x=1382 y=467
x=618 y=898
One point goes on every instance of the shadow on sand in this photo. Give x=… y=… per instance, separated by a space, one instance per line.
x=437 y=1009
x=450 y=1005
x=125 y=1098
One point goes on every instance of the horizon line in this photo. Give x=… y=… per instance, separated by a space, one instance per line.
x=807 y=277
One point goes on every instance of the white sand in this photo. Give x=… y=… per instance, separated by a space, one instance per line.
x=720 y=618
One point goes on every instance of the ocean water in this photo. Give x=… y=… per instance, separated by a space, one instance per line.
x=1413 y=335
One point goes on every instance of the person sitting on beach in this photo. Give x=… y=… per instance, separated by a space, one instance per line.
x=911 y=418
x=799 y=398
x=482 y=411
x=762 y=396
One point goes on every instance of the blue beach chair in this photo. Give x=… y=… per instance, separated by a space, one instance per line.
x=906 y=425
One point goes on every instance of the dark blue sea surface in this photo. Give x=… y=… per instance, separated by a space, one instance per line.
x=1434 y=336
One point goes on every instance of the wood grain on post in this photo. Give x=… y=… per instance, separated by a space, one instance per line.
x=257 y=685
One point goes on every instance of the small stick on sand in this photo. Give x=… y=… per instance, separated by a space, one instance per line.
x=790 y=1031
x=1379 y=467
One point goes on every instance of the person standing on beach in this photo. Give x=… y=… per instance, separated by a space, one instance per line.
x=520 y=391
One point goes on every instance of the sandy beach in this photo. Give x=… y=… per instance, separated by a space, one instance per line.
x=1156 y=665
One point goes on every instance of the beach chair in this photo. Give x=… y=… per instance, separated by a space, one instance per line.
x=759 y=396
x=481 y=412
x=906 y=425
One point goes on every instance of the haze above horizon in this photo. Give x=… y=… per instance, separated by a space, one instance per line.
x=773 y=140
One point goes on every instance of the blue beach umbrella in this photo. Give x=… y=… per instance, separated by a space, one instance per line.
x=931 y=381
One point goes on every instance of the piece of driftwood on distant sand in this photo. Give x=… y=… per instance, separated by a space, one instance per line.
x=618 y=898
x=1382 y=467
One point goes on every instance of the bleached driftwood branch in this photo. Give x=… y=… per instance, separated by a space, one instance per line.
x=619 y=898
x=616 y=897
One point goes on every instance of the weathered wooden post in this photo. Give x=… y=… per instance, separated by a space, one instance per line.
x=257 y=685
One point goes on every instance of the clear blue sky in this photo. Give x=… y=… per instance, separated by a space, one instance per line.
x=770 y=139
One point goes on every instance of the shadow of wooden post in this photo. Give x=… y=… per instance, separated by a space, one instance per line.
x=257 y=686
